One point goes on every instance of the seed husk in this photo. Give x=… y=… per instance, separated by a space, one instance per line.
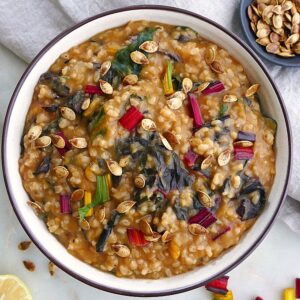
x=51 y=268
x=67 y=113
x=197 y=229
x=277 y=10
x=38 y=210
x=252 y=90
x=121 y=250
x=167 y=236
x=106 y=87
x=296 y=19
x=43 y=141
x=264 y=41
x=274 y=37
x=230 y=98
x=114 y=167
x=79 y=143
x=105 y=68
x=272 y=48
x=207 y=162
x=34 y=132
x=84 y=224
x=125 y=206
x=262 y=33
x=287 y=5
x=29 y=265
x=149 y=46
x=288 y=16
x=61 y=171
x=124 y=161
x=210 y=55
x=153 y=238
x=145 y=227
x=139 y=58
x=255 y=10
x=217 y=67
x=244 y=144
x=205 y=199
x=86 y=103
x=140 y=181
x=77 y=195
x=130 y=79
x=267 y=13
x=58 y=141
x=171 y=138
x=294 y=38
x=288 y=25
x=148 y=125
x=224 y=157
x=203 y=86
x=187 y=85
x=24 y=245
x=174 y=103
x=165 y=142
x=100 y=214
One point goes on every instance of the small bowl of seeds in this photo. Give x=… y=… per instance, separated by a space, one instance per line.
x=272 y=28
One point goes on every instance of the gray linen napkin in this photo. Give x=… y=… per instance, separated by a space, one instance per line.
x=27 y=26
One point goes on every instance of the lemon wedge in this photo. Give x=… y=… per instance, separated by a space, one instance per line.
x=13 y=288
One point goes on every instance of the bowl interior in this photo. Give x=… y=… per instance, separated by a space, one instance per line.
x=260 y=50
x=36 y=228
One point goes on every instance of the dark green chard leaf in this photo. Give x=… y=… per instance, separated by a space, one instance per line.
x=180 y=212
x=44 y=166
x=75 y=101
x=51 y=108
x=122 y=63
x=53 y=80
x=50 y=128
x=115 y=216
x=177 y=82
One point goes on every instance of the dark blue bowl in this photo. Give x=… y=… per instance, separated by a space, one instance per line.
x=260 y=50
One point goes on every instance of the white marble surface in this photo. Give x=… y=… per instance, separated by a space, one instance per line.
x=272 y=267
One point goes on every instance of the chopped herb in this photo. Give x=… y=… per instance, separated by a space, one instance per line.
x=223 y=110
x=95 y=123
x=55 y=84
x=168 y=85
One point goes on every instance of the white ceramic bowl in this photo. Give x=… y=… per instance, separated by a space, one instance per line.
x=272 y=105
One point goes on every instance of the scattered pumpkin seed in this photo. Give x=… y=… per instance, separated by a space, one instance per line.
x=114 y=167
x=79 y=143
x=139 y=58
x=165 y=142
x=148 y=125
x=145 y=227
x=187 y=85
x=100 y=214
x=130 y=79
x=140 y=181
x=207 y=162
x=38 y=210
x=230 y=98
x=153 y=238
x=205 y=199
x=292 y=39
x=104 y=68
x=252 y=90
x=58 y=141
x=121 y=250
x=174 y=103
x=124 y=161
x=34 y=132
x=167 y=236
x=149 y=46
x=272 y=48
x=224 y=157
x=43 y=141
x=86 y=103
x=67 y=113
x=217 y=67
x=196 y=229
x=106 y=87
x=61 y=171
x=203 y=86
x=171 y=138
x=77 y=195
x=125 y=206
x=210 y=55
x=179 y=94
x=84 y=224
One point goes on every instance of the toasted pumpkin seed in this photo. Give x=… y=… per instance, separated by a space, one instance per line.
x=149 y=46
x=153 y=238
x=130 y=79
x=145 y=227
x=252 y=90
x=230 y=98
x=104 y=68
x=125 y=206
x=100 y=214
x=139 y=58
x=287 y=5
x=295 y=28
x=148 y=125
x=255 y=10
x=174 y=103
x=224 y=157
x=79 y=143
x=264 y=41
x=294 y=38
x=272 y=48
x=140 y=181
x=296 y=19
x=253 y=27
x=67 y=113
x=124 y=161
x=203 y=86
x=77 y=195
x=179 y=94
x=58 y=141
x=38 y=210
x=34 y=132
x=244 y=144
x=285 y=54
x=187 y=85
x=61 y=171
x=262 y=33
x=210 y=55
x=274 y=37
x=277 y=10
x=207 y=162
x=250 y=12
x=165 y=142
x=216 y=67
x=205 y=199
x=86 y=103
x=171 y=138
x=43 y=141
x=167 y=236
x=114 y=167
x=121 y=250
x=84 y=224
x=197 y=229
x=106 y=87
